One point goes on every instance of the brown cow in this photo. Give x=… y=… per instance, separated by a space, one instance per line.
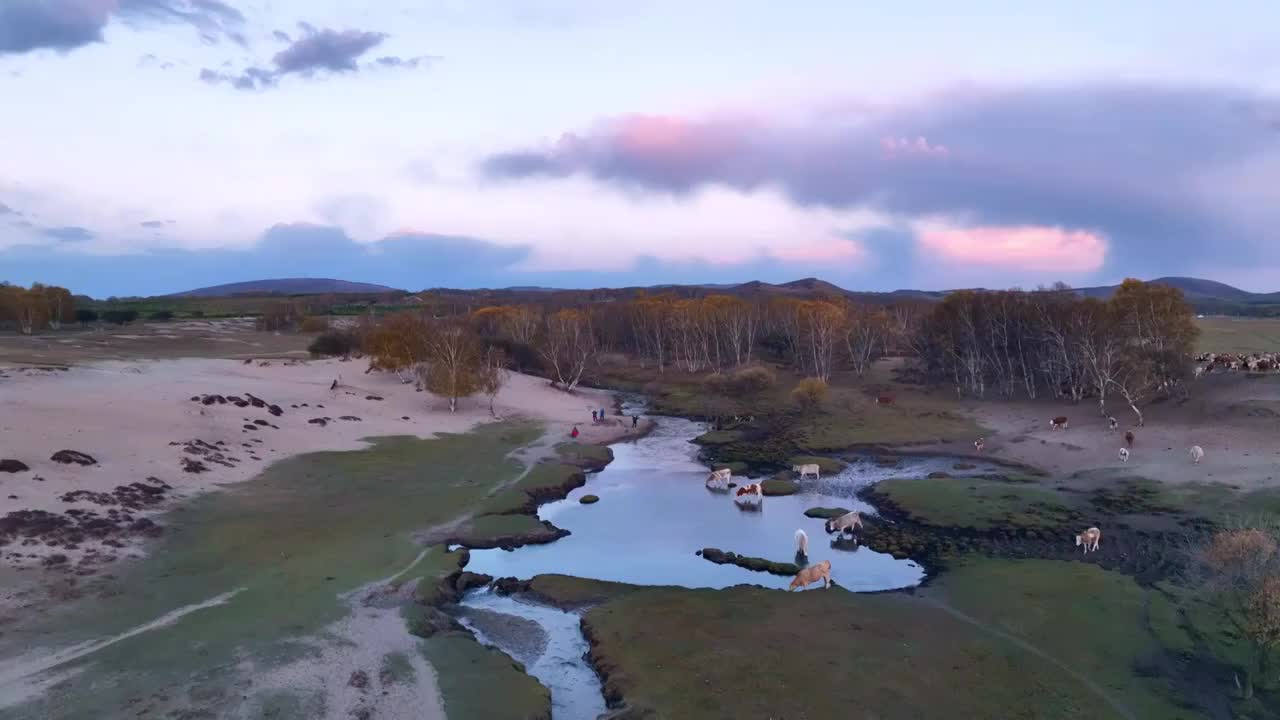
x=884 y=400
x=1128 y=438
x=812 y=574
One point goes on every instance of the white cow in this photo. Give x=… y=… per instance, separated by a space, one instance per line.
x=1089 y=539
x=1197 y=454
x=1124 y=455
x=806 y=470
x=802 y=542
x=846 y=522
x=719 y=478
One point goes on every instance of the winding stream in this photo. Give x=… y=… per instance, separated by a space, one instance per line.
x=654 y=513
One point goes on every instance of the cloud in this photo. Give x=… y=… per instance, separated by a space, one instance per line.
x=281 y=35
x=6 y=210
x=1046 y=249
x=152 y=224
x=318 y=51
x=64 y=25
x=70 y=233
x=1124 y=162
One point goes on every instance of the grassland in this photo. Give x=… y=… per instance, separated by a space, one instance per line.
x=979 y=503
x=1036 y=653
x=480 y=683
x=1238 y=334
x=308 y=530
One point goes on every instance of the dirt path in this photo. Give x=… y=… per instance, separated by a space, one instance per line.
x=1093 y=687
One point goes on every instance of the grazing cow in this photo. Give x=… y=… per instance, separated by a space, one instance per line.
x=1112 y=423
x=1124 y=455
x=719 y=478
x=1128 y=438
x=1058 y=423
x=846 y=522
x=746 y=493
x=884 y=400
x=1089 y=539
x=806 y=470
x=1197 y=454
x=979 y=444
x=802 y=542
x=812 y=574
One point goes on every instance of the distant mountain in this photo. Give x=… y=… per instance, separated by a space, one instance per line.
x=286 y=286
x=1198 y=291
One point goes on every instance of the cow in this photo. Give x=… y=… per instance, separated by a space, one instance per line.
x=846 y=522
x=812 y=574
x=1112 y=423
x=1128 y=438
x=1089 y=539
x=806 y=470
x=802 y=542
x=1058 y=423
x=884 y=400
x=979 y=444
x=719 y=478
x=1197 y=454
x=1124 y=455
x=750 y=493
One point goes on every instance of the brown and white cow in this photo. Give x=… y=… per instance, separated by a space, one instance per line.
x=812 y=574
x=1058 y=423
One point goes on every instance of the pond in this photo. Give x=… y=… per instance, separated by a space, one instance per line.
x=655 y=512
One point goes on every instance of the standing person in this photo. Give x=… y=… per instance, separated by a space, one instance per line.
x=601 y=414
x=593 y=416
x=635 y=421
x=574 y=434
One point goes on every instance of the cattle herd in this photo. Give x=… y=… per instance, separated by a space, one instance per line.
x=1234 y=362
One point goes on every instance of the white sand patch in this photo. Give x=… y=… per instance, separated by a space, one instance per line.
x=128 y=415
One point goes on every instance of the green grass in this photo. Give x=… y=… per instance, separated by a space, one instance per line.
x=978 y=503
x=779 y=486
x=568 y=591
x=483 y=527
x=306 y=530
x=480 y=683
x=543 y=478
x=1238 y=335
x=718 y=437
x=584 y=456
x=1040 y=602
x=822 y=654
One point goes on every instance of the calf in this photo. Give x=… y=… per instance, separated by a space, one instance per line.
x=1058 y=423
x=1111 y=423
x=1124 y=455
x=812 y=574
x=979 y=444
x=802 y=542
x=846 y=522
x=1089 y=539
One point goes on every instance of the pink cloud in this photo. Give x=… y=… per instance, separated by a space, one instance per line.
x=823 y=251
x=1026 y=247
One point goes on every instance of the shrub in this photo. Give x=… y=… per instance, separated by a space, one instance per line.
x=120 y=317
x=334 y=344
x=809 y=393
x=84 y=317
x=162 y=315
x=751 y=381
x=314 y=323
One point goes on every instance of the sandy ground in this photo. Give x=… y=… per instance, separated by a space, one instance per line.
x=1235 y=419
x=136 y=418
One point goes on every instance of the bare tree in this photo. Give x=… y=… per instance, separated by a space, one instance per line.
x=493 y=375
x=568 y=345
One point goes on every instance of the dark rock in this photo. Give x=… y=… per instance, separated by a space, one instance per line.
x=404 y=417
x=509 y=585
x=318 y=421
x=275 y=410
x=359 y=680
x=825 y=513
x=13 y=466
x=779 y=487
x=721 y=557
x=250 y=426
x=256 y=401
x=372 y=397
x=73 y=457
x=193 y=466
x=467 y=580
x=213 y=399
x=260 y=422
x=54 y=560
x=350 y=418
x=589 y=499
x=938 y=475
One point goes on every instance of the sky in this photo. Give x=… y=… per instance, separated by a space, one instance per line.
x=154 y=146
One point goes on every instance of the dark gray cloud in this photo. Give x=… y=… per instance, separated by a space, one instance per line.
x=64 y=25
x=281 y=35
x=70 y=233
x=1140 y=164
x=318 y=51
x=6 y=210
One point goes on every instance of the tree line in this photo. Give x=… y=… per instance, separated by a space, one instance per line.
x=1051 y=342
x=39 y=307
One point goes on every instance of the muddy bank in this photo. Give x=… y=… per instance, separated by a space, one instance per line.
x=720 y=557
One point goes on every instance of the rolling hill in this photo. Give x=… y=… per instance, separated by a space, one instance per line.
x=286 y=286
